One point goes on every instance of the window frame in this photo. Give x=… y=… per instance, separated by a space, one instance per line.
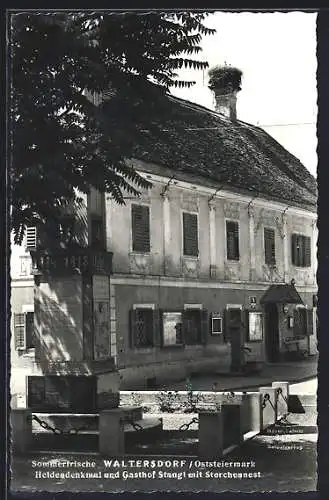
x=142 y=307
x=196 y=214
x=228 y=307
x=270 y=262
x=132 y=250
x=178 y=344
x=297 y=259
x=228 y=259
x=217 y=316
x=188 y=308
x=300 y=307
x=27 y=343
x=29 y=246
x=257 y=339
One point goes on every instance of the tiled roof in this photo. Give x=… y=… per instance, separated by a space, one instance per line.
x=281 y=294
x=191 y=139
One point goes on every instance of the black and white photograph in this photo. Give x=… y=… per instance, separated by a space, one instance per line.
x=163 y=238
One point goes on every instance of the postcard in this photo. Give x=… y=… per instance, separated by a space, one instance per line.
x=163 y=323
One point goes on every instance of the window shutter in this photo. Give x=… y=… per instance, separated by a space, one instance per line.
x=300 y=321
x=185 y=320
x=225 y=325
x=140 y=221
x=151 y=334
x=232 y=240
x=190 y=235
x=294 y=249
x=233 y=319
x=29 y=330
x=132 y=329
x=269 y=244
x=307 y=251
x=158 y=317
x=309 y=313
x=304 y=321
x=204 y=326
x=296 y=321
x=20 y=331
x=246 y=326
x=31 y=238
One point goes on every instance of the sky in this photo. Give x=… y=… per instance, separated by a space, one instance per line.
x=277 y=55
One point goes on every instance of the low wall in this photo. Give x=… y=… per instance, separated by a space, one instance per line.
x=224 y=419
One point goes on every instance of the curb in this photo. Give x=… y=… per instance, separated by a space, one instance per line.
x=268 y=381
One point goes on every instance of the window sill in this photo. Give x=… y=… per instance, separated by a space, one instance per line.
x=191 y=257
x=199 y=344
x=143 y=349
x=233 y=261
x=142 y=254
x=173 y=346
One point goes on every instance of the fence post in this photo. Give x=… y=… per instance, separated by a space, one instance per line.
x=111 y=432
x=269 y=406
x=282 y=397
x=232 y=424
x=21 y=430
x=251 y=412
x=211 y=442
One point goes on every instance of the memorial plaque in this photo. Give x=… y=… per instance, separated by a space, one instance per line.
x=64 y=262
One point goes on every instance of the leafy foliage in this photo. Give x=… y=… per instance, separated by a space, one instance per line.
x=64 y=141
x=224 y=78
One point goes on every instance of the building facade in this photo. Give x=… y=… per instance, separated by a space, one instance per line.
x=205 y=275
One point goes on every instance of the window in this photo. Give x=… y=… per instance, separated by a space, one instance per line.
x=172 y=328
x=188 y=327
x=233 y=322
x=142 y=327
x=31 y=238
x=140 y=222
x=269 y=246
x=24 y=330
x=194 y=328
x=255 y=326
x=97 y=232
x=300 y=322
x=190 y=235
x=216 y=324
x=26 y=265
x=232 y=240
x=301 y=250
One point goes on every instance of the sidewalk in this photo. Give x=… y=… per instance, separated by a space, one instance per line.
x=293 y=372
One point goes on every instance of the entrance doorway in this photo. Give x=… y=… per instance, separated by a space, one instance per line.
x=272 y=333
x=235 y=335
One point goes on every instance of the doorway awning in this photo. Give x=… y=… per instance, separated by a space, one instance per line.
x=281 y=294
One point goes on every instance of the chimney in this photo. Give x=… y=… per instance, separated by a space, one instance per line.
x=225 y=83
x=225 y=104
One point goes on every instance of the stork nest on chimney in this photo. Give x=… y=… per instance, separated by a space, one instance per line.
x=225 y=78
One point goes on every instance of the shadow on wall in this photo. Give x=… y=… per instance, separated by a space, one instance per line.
x=58 y=327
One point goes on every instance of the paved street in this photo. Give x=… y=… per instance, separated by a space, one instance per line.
x=292 y=372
